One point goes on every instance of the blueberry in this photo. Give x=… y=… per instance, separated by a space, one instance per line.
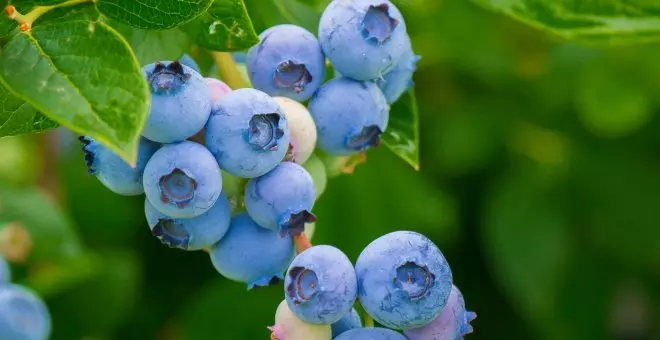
x=289 y=327
x=301 y=127
x=252 y=254
x=247 y=133
x=404 y=280
x=348 y=322
x=399 y=79
x=288 y=61
x=182 y=180
x=218 y=89
x=316 y=169
x=350 y=116
x=362 y=38
x=281 y=199
x=187 y=60
x=112 y=171
x=5 y=273
x=371 y=333
x=320 y=285
x=23 y=315
x=180 y=102
x=194 y=233
x=452 y=323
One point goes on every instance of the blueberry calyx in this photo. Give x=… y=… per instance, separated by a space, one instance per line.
x=292 y=75
x=413 y=279
x=89 y=155
x=377 y=24
x=466 y=328
x=304 y=285
x=369 y=136
x=294 y=223
x=177 y=187
x=167 y=79
x=264 y=131
x=171 y=233
x=277 y=333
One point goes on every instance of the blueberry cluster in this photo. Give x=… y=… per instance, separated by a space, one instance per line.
x=244 y=189
x=23 y=315
x=401 y=280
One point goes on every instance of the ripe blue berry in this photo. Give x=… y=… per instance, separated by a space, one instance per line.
x=371 y=333
x=320 y=285
x=399 y=79
x=112 y=171
x=23 y=316
x=194 y=233
x=289 y=327
x=303 y=130
x=5 y=273
x=281 y=199
x=182 y=180
x=452 y=323
x=180 y=102
x=288 y=61
x=247 y=133
x=252 y=254
x=404 y=280
x=348 y=322
x=362 y=38
x=350 y=115
x=187 y=60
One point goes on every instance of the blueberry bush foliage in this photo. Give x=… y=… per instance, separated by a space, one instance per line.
x=538 y=167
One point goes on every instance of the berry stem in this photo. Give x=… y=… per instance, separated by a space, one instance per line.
x=25 y=21
x=228 y=70
x=368 y=320
x=302 y=243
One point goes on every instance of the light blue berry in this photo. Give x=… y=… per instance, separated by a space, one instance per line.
x=371 y=333
x=452 y=323
x=194 y=233
x=180 y=102
x=23 y=315
x=182 y=180
x=282 y=199
x=348 y=322
x=5 y=273
x=187 y=60
x=350 y=116
x=362 y=38
x=400 y=78
x=288 y=61
x=252 y=254
x=320 y=285
x=247 y=133
x=404 y=280
x=113 y=171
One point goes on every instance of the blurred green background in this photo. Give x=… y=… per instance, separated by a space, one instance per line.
x=539 y=180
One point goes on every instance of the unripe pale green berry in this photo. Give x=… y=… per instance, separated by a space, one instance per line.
x=289 y=327
x=301 y=127
x=316 y=169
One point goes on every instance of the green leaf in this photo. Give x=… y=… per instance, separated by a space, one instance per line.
x=50 y=231
x=226 y=27
x=18 y=117
x=36 y=2
x=590 y=21
x=153 y=14
x=83 y=75
x=402 y=134
x=150 y=46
